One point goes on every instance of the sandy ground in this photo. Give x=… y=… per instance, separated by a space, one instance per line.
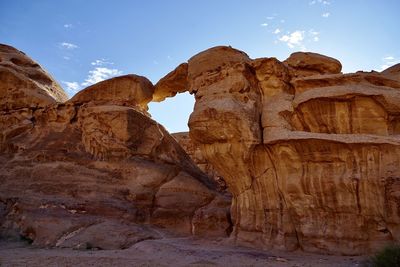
x=166 y=252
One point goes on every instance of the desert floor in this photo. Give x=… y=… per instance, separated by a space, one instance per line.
x=167 y=252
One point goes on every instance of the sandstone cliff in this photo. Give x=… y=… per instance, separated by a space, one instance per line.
x=310 y=155
x=197 y=156
x=94 y=171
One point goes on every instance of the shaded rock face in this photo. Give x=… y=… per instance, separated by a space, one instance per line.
x=95 y=171
x=175 y=82
x=197 y=156
x=310 y=155
x=24 y=83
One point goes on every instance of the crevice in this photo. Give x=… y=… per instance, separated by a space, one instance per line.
x=281 y=196
x=194 y=213
x=170 y=176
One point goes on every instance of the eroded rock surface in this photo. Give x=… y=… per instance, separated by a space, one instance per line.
x=128 y=90
x=173 y=83
x=96 y=171
x=196 y=155
x=310 y=155
x=24 y=83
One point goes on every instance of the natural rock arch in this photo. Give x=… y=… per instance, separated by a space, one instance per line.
x=309 y=154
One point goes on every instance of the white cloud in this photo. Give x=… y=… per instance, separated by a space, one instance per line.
x=387 y=62
x=282 y=21
x=101 y=62
x=293 y=39
x=323 y=2
x=72 y=87
x=314 y=35
x=67 y=26
x=270 y=18
x=68 y=46
x=66 y=58
x=388 y=58
x=100 y=74
x=264 y=24
x=277 y=31
x=325 y=15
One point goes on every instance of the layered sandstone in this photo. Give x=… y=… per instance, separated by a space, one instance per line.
x=24 y=83
x=310 y=155
x=96 y=171
x=191 y=148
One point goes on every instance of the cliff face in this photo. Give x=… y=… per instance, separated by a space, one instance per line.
x=310 y=155
x=193 y=150
x=72 y=173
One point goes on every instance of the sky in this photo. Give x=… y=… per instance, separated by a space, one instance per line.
x=81 y=42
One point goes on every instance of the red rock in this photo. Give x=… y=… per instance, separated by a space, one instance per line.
x=128 y=90
x=309 y=155
x=197 y=156
x=24 y=83
x=173 y=83
x=309 y=160
x=307 y=63
x=392 y=72
x=74 y=172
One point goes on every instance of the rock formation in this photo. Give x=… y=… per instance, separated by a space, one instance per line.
x=94 y=171
x=310 y=155
x=24 y=83
x=197 y=156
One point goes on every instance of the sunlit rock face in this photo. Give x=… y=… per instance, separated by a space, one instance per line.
x=24 y=83
x=310 y=155
x=94 y=171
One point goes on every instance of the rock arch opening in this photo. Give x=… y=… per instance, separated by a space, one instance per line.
x=173 y=112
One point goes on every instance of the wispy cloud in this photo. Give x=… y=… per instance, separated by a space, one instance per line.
x=314 y=35
x=388 y=58
x=271 y=17
x=277 y=30
x=326 y=14
x=66 y=58
x=97 y=74
x=68 y=46
x=67 y=26
x=100 y=74
x=388 y=61
x=264 y=24
x=322 y=2
x=101 y=62
x=72 y=87
x=293 y=39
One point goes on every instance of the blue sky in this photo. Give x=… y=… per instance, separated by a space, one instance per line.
x=84 y=41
